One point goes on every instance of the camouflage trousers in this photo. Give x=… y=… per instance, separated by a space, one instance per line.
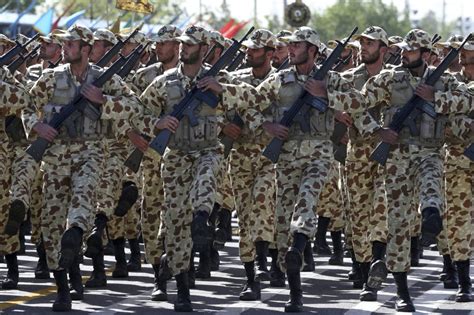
x=368 y=211
x=8 y=244
x=225 y=194
x=153 y=209
x=459 y=171
x=331 y=203
x=71 y=175
x=27 y=180
x=411 y=173
x=253 y=179
x=129 y=225
x=302 y=172
x=190 y=183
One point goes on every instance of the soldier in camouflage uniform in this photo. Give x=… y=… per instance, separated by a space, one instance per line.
x=305 y=159
x=5 y=44
x=153 y=207
x=253 y=175
x=14 y=98
x=420 y=155
x=104 y=40
x=281 y=49
x=458 y=174
x=191 y=163
x=368 y=213
x=72 y=163
x=446 y=46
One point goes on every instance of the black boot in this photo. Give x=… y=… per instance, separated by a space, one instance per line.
x=464 y=292
x=295 y=303
x=378 y=270
x=368 y=293
x=450 y=280
x=94 y=241
x=215 y=259
x=308 y=258
x=223 y=228
x=16 y=215
x=261 y=250
x=127 y=198
x=337 y=257
x=204 y=268
x=415 y=251
x=71 y=243
x=431 y=225
x=42 y=270
x=321 y=247
x=11 y=281
x=355 y=274
x=165 y=272
x=76 y=289
x=403 y=302
x=63 y=298
x=448 y=267
x=192 y=273
x=277 y=277
x=251 y=290
x=183 y=301
x=120 y=270
x=294 y=255
x=135 y=262
x=159 y=291
x=98 y=279
x=200 y=231
x=21 y=237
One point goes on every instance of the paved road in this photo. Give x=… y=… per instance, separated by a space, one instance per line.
x=326 y=291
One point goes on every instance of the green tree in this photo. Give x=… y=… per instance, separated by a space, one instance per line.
x=339 y=19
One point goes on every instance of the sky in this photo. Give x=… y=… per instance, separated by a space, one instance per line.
x=243 y=9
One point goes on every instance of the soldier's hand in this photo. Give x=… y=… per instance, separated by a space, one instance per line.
x=210 y=83
x=345 y=139
x=93 y=93
x=276 y=130
x=168 y=122
x=426 y=92
x=232 y=131
x=316 y=88
x=344 y=117
x=45 y=131
x=138 y=141
x=387 y=135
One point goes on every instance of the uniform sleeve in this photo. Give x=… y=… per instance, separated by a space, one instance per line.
x=14 y=97
x=40 y=94
x=457 y=98
x=154 y=102
x=461 y=126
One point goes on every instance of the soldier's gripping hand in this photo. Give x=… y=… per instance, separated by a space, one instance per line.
x=426 y=92
x=168 y=122
x=232 y=131
x=45 y=131
x=387 y=135
x=344 y=117
x=316 y=88
x=137 y=140
x=276 y=130
x=211 y=84
x=93 y=93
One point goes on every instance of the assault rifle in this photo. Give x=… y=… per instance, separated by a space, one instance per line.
x=14 y=65
x=78 y=104
x=132 y=60
x=187 y=106
x=236 y=62
x=405 y=116
x=298 y=112
x=116 y=48
x=16 y=50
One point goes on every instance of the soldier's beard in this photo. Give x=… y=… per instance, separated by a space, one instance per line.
x=256 y=62
x=299 y=60
x=371 y=58
x=414 y=64
x=192 y=59
x=165 y=59
x=72 y=59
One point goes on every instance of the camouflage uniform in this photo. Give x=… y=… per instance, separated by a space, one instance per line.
x=191 y=164
x=14 y=98
x=252 y=175
x=70 y=188
x=414 y=167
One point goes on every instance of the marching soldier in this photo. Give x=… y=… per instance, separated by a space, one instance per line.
x=72 y=164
